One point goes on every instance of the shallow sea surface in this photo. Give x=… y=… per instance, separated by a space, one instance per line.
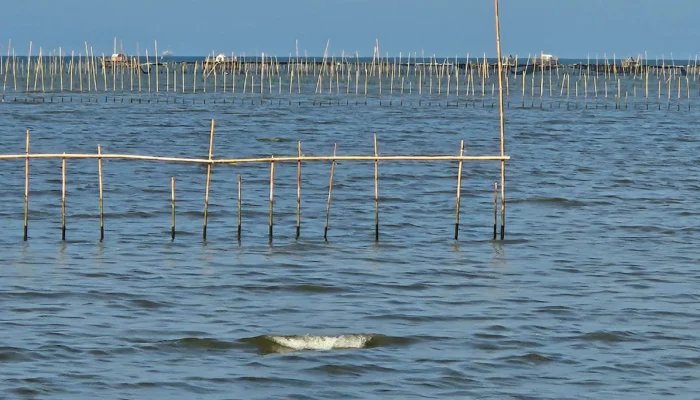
x=593 y=294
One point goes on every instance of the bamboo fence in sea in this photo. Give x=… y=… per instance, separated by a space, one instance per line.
x=532 y=81
x=210 y=162
x=633 y=80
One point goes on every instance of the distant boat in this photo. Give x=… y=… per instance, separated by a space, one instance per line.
x=167 y=53
x=545 y=59
x=630 y=62
x=118 y=58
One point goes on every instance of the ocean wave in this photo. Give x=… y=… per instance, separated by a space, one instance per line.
x=282 y=344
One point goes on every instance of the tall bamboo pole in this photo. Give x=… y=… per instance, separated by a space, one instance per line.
x=502 y=123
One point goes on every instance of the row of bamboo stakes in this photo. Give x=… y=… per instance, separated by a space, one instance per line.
x=590 y=92
x=343 y=66
x=210 y=161
x=270 y=67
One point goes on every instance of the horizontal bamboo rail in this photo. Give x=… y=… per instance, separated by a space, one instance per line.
x=105 y=156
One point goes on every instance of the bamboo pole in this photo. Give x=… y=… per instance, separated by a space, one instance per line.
x=29 y=63
x=114 y=70
x=194 y=78
x=502 y=123
x=131 y=67
x=99 y=174
x=104 y=72
x=138 y=65
x=148 y=66
x=39 y=66
x=298 y=192
x=272 y=195
x=459 y=189
x=264 y=160
x=167 y=79
x=156 y=56
x=7 y=66
x=206 y=190
x=60 y=57
x=239 y=208
x=376 y=192
x=495 y=209
x=172 y=208
x=330 y=190
x=26 y=190
x=63 y=199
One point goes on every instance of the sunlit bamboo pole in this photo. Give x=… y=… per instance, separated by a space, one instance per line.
x=330 y=191
x=206 y=192
x=502 y=123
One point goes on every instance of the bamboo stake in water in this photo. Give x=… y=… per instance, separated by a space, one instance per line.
x=502 y=124
x=272 y=195
x=7 y=66
x=376 y=192
x=104 y=72
x=459 y=187
x=330 y=190
x=26 y=190
x=60 y=57
x=172 y=208
x=148 y=66
x=99 y=175
x=206 y=190
x=239 y=208
x=495 y=209
x=29 y=63
x=299 y=192
x=63 y=199
x=156 y=55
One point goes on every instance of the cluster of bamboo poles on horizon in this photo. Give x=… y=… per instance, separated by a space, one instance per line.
x=376 y=158
x=346 y=75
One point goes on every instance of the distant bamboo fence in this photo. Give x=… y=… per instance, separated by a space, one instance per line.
x=407 y=79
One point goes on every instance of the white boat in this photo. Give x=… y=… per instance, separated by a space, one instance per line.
x=546 y=59
x=118 y=57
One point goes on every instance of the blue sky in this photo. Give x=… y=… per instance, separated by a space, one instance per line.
x=566 y=28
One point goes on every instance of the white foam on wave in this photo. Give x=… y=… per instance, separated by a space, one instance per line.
x=308 y=342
